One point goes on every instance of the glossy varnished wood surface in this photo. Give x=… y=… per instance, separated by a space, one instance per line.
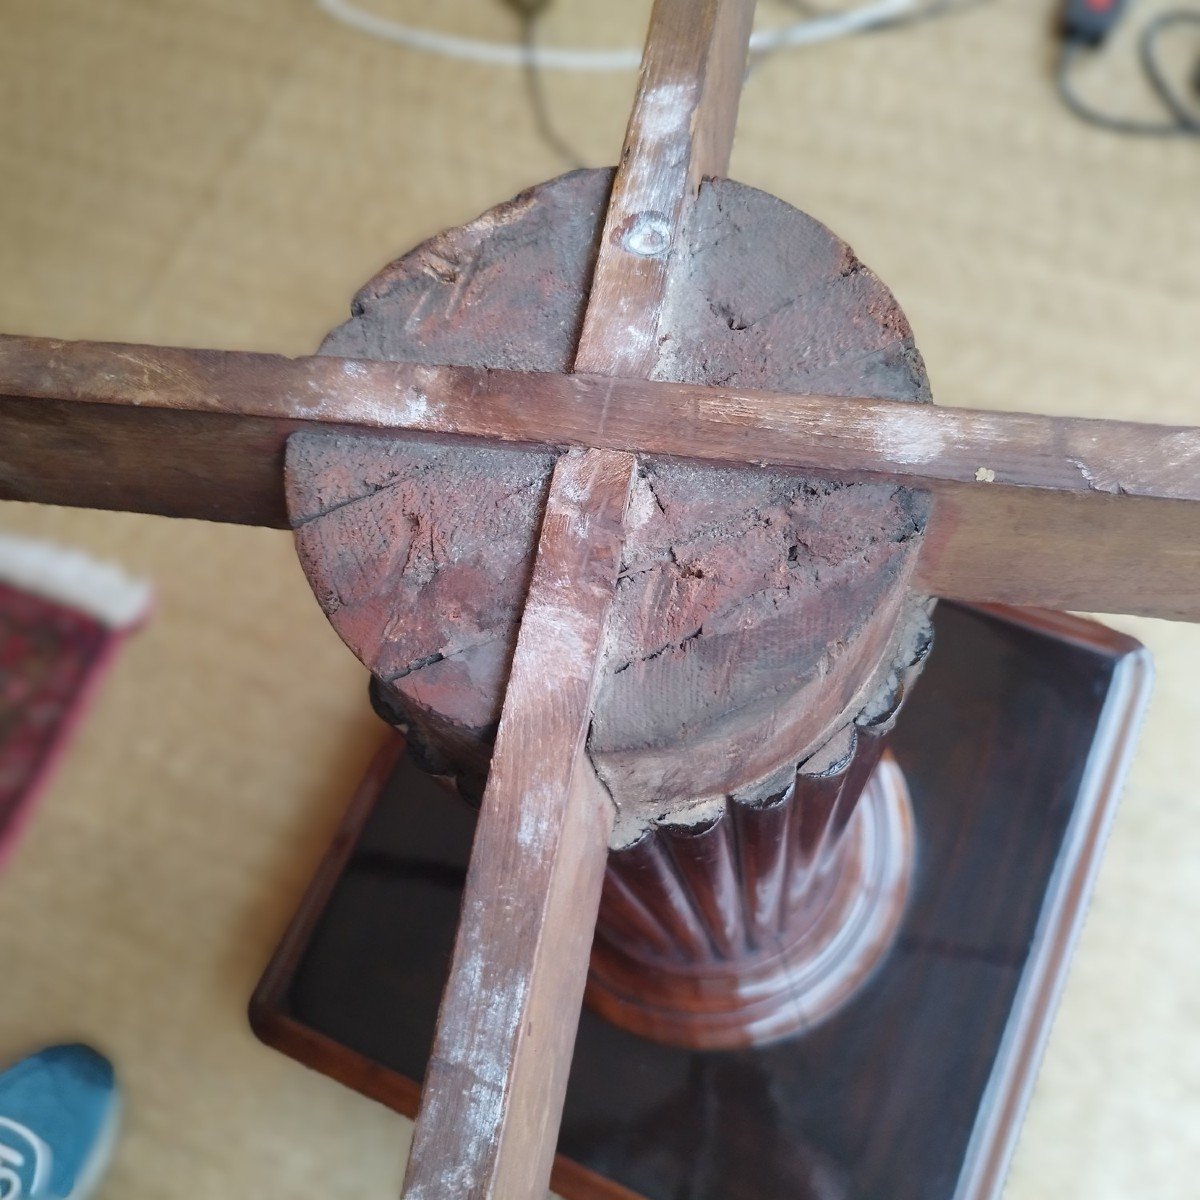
x=953 y=1022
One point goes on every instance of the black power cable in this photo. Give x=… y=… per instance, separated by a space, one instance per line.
x=529 y=12
x=1085 y=27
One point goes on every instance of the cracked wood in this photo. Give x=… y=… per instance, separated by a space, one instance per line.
x=792 y=583
x=1029 y=509
x=504 y=1149
x=492 y=1096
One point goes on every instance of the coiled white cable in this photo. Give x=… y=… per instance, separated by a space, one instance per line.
x=552 y=58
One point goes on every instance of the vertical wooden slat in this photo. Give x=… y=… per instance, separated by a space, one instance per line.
x=494 y=1089
x=497 y=1073
x=680 y=130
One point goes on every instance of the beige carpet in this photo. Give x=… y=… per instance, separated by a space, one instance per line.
x=225 y=173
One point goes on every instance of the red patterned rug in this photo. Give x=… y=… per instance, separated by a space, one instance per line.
x=62 y=618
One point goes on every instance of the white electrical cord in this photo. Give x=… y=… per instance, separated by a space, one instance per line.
x=505 y=54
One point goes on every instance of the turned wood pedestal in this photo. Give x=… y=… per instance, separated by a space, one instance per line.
x=821 y=968
x=631 y=497
x=763 y=634
x=1011 y=751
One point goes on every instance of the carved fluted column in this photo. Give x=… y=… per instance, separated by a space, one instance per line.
x=760 y=917
x=763 y=628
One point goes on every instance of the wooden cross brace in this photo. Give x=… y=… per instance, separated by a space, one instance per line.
x=1023 y=509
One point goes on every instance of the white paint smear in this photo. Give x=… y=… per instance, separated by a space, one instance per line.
x=908 y=435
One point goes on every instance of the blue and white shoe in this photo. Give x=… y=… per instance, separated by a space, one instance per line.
x=58 y=1121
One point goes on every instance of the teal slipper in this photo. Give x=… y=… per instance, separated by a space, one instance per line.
x=58 y=1121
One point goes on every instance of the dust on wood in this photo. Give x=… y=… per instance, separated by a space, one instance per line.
x=754 y=608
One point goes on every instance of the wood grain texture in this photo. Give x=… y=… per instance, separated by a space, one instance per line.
x=1096 y=551
x=271 y=1011
x=680 y=131
x=492 y=1099
x=420 y=555
x=752 y=604
x=759 y=906
x=830 y=433
x=493 y=1092
x=1028 y=509
x=507 y=289
x=756 y=608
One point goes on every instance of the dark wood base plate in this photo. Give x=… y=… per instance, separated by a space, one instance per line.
x=1013 y=746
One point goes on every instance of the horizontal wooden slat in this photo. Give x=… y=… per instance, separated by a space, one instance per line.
x=1029 y=509
x=1077 y=551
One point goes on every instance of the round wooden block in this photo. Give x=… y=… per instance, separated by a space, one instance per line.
x=758 y=613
